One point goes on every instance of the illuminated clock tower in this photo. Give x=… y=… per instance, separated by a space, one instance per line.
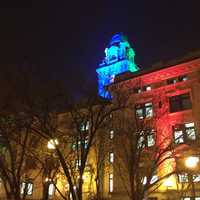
x=119 y=58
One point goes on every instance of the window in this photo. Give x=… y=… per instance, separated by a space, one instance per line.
x=77 y=163
x=146 y=139
x=138 y=90
x=111 y=157
x=184 y=132
x=183 y=178
x=177 y=79
x=183 y=78
x=84 y=126
x=144 y=110
x=196 y=178
x=111 y=134
x=190 y=198
x=150 y=140
x=154 y=178
x=180 y=102
x=27 y=188
x=186 y=178
x=51 y=189
x=171 y=81
x=190 y=131
x=147 y=88
x=110 y=182
x=77 y=145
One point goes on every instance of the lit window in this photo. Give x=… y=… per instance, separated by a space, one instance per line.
x=144 y=110
x=141 y=143
x=27 y=188
x=150 y=140
x=77 y=163
x=111 y=157
x=186 y=198
x=196 y=178
x=111 y=134
x=110 y=182
x=190 y=131
x=180 y=102
x=84 y=126
x=183 y=178
x=147 y=88
x=154 y=179
x=178 y=135
x=146 y=138
x=144 y=180
x=77 y=145
x=51 y=189
x=183 y=78
x=184 y=132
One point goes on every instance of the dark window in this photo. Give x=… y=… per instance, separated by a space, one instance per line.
x=180 y=102
x=144 y=110
x=138 y=90
x=184 y=132
x=171 y=81
x=177 y=79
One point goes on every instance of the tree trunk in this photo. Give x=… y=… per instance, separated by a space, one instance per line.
x=45 y=191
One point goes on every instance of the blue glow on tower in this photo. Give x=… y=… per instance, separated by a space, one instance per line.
x=119 y=58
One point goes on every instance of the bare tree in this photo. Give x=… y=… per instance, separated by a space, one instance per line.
x=83 y=125
x=139 y=155
x=16 y=157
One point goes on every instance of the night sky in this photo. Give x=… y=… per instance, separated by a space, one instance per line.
x=65 y=40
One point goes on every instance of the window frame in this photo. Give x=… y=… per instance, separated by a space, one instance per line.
x=143 y=107
x=23 y=185
x=184 y=128
x=180 y=102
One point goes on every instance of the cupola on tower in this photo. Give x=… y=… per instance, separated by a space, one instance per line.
x=119 y=58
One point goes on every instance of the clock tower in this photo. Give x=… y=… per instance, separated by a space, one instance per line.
x=119 y=58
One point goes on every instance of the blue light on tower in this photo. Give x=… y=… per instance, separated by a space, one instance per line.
x=119 y=58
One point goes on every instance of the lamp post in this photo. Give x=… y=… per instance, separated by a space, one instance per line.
x=191 y=163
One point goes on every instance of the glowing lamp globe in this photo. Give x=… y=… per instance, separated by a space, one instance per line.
x=52 y=144
x=191 y=162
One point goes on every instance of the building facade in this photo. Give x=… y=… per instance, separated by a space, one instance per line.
x=169 y=96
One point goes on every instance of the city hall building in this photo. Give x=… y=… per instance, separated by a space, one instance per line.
x=153 y=144
x=167 y=97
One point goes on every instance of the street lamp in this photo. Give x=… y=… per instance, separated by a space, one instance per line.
x=192 y=161
x=52 y=143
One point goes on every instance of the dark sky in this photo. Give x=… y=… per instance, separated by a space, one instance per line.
x=66 y=39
